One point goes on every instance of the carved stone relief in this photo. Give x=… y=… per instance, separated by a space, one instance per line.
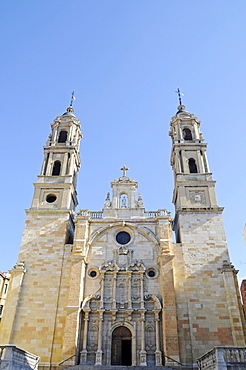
x=197 y=197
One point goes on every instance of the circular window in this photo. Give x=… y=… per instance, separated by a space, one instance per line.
x=151 y=273
x=123 y=237
x=93 y=273
x=51 y=198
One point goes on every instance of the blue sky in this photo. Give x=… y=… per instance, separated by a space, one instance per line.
x=124 y=59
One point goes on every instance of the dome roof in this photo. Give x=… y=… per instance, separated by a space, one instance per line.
x=69 y=112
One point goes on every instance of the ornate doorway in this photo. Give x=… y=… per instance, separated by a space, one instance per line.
x=121 y=353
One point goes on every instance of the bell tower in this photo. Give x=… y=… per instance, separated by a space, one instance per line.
x=56 y=185
x=39 y=287
x=194 y=187
x=208 y=302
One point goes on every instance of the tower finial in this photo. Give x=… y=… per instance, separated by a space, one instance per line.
x=72 y=99
x=179 y=95
x=124 y=169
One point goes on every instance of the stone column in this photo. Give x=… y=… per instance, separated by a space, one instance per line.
x=180 y=134
x=200 y=163
x=64 y=164
x=114 y=290
x=129 y=298
x=143 y=354
x=44 y=164
x=178 y=161
x=184 y=161
x=158 y=361
x=141 y=291
x=83 y=353
x=99 y=347
x=205 y=160
x=102 y=288
x=49 y=165
x=196 y=135
x=56 y=133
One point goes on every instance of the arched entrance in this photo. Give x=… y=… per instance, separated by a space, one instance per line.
x=121 y=353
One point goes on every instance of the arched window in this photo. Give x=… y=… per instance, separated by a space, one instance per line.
x=192 y=165
x=62 y=137
x=187 y=134
x=56 y=168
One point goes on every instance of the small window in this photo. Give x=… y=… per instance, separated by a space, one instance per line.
x=92 y=273
x=51 y=198
x=1 y=309
x=5 y=288
x=151 y=273
x=192 y=165
x=62 y=137
x=187 y=134
x=56 y=168
x=123 y=237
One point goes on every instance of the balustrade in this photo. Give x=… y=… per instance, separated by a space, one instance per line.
x=154 y=214
x=96 y=214
x=99 y=214
x=222 y=358
x=14 y=357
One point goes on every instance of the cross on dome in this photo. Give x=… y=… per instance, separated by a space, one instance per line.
x=179 y=95
x=124 y=169
x=72 y=99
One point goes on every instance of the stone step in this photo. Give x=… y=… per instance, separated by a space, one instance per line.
x=117 y=367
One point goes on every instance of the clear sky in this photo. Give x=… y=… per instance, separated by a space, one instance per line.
x=124 y=59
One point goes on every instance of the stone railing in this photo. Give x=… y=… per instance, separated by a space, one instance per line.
x=14 y=358
x=86 y=213
x=99 y=214
x=96 y=214
x=223 y=358
x=154 y=214
x=151 y=214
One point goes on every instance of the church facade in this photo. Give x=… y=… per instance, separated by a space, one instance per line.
x=111 y=287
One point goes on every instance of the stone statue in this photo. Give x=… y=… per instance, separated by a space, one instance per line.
x=124 y=201
x=140 y=201
x=107 y=202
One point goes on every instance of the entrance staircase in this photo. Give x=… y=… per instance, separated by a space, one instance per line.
x=117 y=367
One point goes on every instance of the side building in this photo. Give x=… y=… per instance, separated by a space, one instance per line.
x=111 y=287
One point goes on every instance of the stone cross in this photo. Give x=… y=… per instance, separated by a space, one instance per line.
x=124 y=169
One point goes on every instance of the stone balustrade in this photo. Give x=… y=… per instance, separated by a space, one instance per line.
x=14 y=358
x=96 y=214
x=222 y=358
x=99 y=214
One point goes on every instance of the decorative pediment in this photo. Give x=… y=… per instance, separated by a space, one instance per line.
x=109 y=266
x=136 y=266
